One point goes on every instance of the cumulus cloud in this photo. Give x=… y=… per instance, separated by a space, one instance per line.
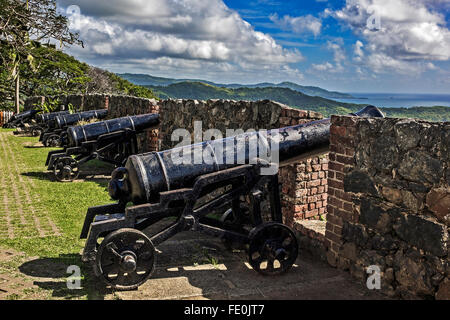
x=302 y=24
x=142 y=34
x=410 y=33
x=323 y=67
x=337 y=47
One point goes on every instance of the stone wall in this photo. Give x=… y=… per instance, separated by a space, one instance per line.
x=389 y=203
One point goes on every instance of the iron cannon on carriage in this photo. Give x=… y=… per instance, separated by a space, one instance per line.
x=111 y=141
x=40 y=123
x=188 y=184
x=20 y=120
x=55 y=133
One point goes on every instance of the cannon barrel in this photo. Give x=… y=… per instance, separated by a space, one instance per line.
x=146 y=175
x=71 y=119
x=24 y=115
x=79 y=134
x=18 y=119
x=46 y=117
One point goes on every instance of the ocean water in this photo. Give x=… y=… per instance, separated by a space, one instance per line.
x=396 y=100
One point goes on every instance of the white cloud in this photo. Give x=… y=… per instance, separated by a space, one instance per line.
x=339 y=57
x=302 y=24
x=358 y=51
x=323 y=67
x=411 y=32
x=193 y=33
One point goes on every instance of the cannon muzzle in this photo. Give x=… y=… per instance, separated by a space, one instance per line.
x=146 y=175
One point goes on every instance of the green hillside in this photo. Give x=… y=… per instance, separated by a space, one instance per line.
x=437 y=113
x=148 y=80
x=203 y=91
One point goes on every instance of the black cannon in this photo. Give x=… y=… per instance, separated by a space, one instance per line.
x=44 y=118
x=175 y=184
x=40 y=123
x=21 y=119
x=55 y=134
x=110 y=141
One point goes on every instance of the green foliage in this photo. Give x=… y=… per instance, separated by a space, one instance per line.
x=50 y=105
x=71 y=108
x=24 y=26
x=437 y=113
x=128 y=88
x=57 y=74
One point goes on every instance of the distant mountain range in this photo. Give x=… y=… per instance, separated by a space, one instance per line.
x=203 y=91
x=151 y=81
x=316 y=100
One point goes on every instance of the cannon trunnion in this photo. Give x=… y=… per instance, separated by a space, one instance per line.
x=109 y=141
x=217 y=197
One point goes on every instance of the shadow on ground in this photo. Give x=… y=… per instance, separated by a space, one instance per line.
x=101 y=178
x=51 y=274
x=194 y=266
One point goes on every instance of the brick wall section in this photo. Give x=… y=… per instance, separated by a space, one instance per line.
x=389 y=203
x=153 y=135
x=304 y=184
x=304 y=190
x=340 y=206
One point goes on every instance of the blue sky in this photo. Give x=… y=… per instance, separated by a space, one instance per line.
x=345 y=45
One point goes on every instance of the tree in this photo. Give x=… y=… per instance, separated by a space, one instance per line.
x=57 y=73
x=24 y=26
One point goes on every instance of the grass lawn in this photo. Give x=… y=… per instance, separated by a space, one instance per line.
x=39 y=217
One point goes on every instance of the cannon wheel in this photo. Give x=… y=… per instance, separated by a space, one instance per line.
x=66 y=169
x=36 y=132
x=125 y=259
x=53 y=141
x=273 y=248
